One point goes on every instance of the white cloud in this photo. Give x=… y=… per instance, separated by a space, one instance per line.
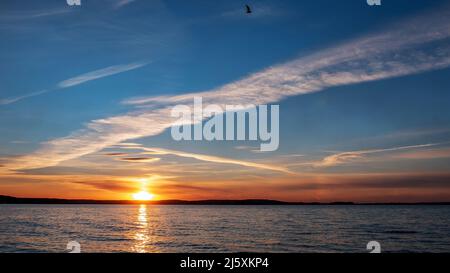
x=101 y=73
x=15 y=99
x=122 y=3
x=346 y=157
x=216 y=159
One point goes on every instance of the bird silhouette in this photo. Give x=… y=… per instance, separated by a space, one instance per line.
x=248 y=9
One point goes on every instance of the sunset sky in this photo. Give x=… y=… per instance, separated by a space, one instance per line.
x=364 y=95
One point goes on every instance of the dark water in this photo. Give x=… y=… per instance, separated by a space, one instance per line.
x=125 y=228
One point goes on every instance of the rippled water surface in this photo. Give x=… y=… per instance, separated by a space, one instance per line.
x=141 y=228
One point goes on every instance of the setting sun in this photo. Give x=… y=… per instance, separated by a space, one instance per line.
x=143 y=196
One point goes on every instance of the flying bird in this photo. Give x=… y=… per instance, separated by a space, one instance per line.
x=248 y=9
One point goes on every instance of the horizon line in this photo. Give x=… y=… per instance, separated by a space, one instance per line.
x=5 y=199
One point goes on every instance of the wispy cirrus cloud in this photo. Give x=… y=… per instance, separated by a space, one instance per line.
x=121 y=3
x=83 y=78
x=217 y=159
x=346 y=157
x=98 y=74
x=426 y=154
x=15 y=99
x=415 y=46
x=32 y=14
x=208 y=158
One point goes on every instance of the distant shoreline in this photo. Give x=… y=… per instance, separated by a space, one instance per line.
x=56 y=201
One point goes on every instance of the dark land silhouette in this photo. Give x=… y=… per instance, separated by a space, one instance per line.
x=17 y=200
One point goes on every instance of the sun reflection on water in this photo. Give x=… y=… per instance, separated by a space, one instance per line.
x=141 y=237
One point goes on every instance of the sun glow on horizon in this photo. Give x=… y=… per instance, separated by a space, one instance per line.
x=143 y=196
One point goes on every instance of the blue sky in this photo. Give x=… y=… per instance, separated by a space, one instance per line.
x=365 y=88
